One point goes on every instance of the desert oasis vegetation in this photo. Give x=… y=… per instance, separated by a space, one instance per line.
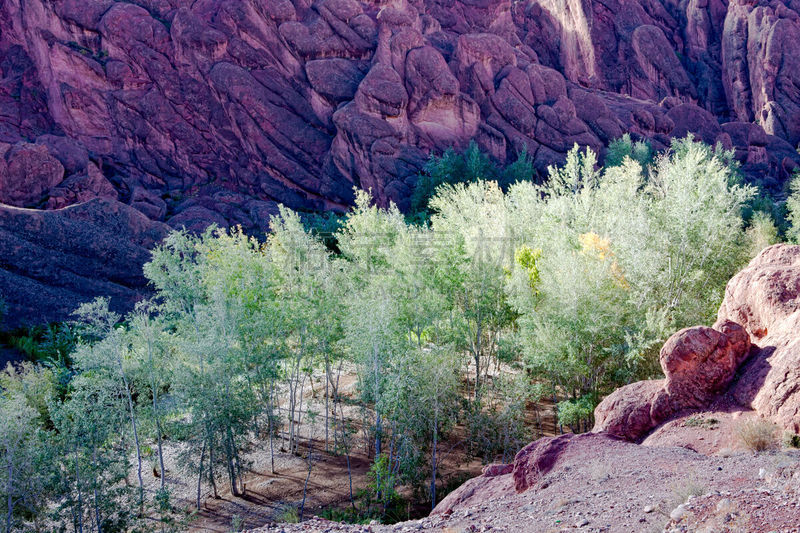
x=399 y=265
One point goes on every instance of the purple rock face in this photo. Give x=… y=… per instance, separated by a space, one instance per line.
x=217 y=110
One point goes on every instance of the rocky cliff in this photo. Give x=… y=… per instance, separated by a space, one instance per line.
x=216 y=110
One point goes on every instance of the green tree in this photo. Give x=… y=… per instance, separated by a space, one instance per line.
x=23 y=461
x=103 y=352
x=471 y=166
x=475 y=244
x=793 y=209
x=92 y=455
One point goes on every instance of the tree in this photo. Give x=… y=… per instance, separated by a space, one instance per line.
x=453 y=168
x=104 y=353
x=145 y=337
x=474 y=251
x=793 y=209
x=23 y=472
x=92 y=455
x=627 y=254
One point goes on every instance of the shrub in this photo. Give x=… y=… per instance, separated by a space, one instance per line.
x=757 y=434
x=289 y=515
x=701 y=422
x=680 y=494
x=791 y=440
x=575 y=413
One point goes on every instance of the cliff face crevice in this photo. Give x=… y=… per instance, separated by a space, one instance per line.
x=217 y=110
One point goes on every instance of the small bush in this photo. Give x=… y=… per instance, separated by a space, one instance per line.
x=757 y=434
x=289 y=515
x=701 y=422
x=791 y=440
x=681 y=493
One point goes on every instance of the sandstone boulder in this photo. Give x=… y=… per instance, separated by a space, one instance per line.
x=28 y=175
x=765 y=299
x=751 y=355
x=82 y=187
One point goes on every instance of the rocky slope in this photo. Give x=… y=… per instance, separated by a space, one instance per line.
x=214 y=110
x=689 y=473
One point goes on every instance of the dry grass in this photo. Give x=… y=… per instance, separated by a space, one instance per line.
x=681 y=492
x=757 y=434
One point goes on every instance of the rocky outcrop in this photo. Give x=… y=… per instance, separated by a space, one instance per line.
x=298 y=101
x=53 y=261
x=755 y=340
x=215 y=111
x=765 y=299
x=699 y=363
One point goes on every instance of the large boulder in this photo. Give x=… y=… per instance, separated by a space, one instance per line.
x=765 y=299
x=27 y=174
x=754 y=342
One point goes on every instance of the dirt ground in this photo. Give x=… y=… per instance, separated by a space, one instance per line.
x=268 y=496
x=606 y=485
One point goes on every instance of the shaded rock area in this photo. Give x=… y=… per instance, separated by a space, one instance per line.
x=53 y=261
x=215 y=111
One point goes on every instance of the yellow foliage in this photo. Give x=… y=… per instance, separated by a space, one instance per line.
x=593 y=245
x=528 y=258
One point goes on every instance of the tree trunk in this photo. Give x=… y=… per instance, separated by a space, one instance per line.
x=96 y=495
x=135 y=432
x=308 y=476
x=327 y=405
x=78 y=487
x=9 y=493
x=433 y=459
x=271 y=443
x=154 y=389
x=200 y=475
x=211 y=478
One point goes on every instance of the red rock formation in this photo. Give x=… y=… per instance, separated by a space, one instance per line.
x=765 y=299
x=297 y=101
x=217 y=110
x=762 y=307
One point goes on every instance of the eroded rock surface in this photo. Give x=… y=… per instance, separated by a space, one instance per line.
x=297 y=101
x=214 y=111
x=765 y=299
x=53 y=261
